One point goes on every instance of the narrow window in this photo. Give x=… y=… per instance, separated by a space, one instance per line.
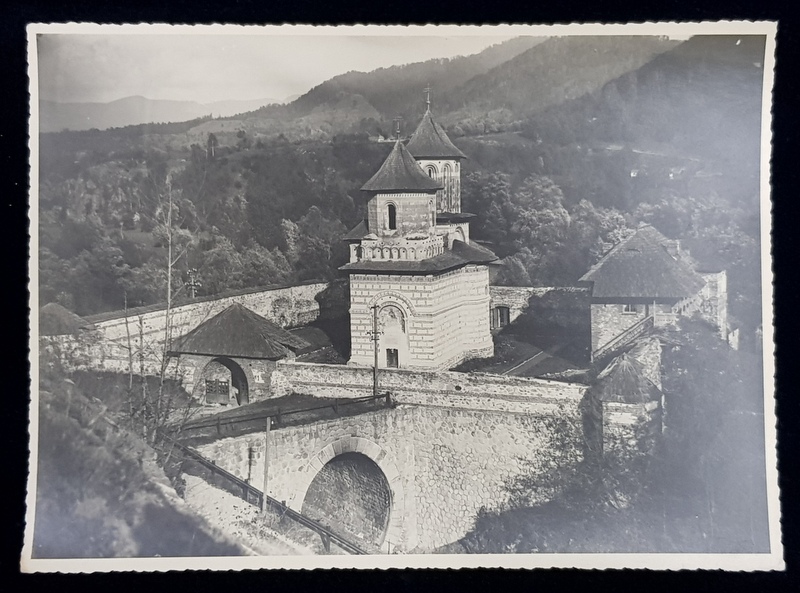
x=392 y=211
x=392 y=358
x=448 y=188
x=632 y=309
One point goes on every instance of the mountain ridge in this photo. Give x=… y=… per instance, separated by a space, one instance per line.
x=55 y=116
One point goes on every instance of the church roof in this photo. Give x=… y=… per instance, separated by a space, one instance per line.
x=624 y=381
x=400 y=172
x=57 y=320
x=641 y=267
x=238 y=332
x=460 y=255
x=357 y=232
x=430 y=141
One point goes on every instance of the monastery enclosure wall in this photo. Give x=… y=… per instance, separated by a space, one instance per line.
x=106 y=347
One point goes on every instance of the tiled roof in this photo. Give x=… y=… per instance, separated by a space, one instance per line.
x=400 y=172
x=460 y=255
x=56 y=320
x=624 y=381
x=239 y=332
x=430 y=141
x=641 y=267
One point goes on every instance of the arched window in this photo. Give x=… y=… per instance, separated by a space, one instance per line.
x=392 y=216
x=431 y=171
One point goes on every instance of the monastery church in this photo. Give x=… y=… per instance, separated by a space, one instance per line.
x=418 y=285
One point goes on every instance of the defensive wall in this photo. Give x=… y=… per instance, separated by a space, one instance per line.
x=105 y=346
x=450 y=446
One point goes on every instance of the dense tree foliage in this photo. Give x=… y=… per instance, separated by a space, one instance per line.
x=703 y=490
x=672 y=140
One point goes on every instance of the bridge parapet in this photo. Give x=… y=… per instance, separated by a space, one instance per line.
x=450 y=389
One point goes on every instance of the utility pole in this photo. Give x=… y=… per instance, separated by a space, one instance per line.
x=193 y=284
x=375 y=335
x=266 y=465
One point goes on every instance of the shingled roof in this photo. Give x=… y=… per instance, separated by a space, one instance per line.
x=239 y=332
x=624 y=381
x=460 y=255
x=400 y=172
x=430 y=141
x=641 y=267
x=57 y=320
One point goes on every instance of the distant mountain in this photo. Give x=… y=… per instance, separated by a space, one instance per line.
x=398 y=90
x=558 y=70
x=54 y=116
x=475 y=94
x=696 y=105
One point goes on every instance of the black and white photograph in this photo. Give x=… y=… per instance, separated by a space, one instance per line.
x=395 y=297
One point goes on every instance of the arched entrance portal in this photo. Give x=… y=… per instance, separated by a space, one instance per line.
x=393 y=351
x=352 y=496
x=224 y=382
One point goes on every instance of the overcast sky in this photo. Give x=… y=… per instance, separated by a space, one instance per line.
x=206 y=68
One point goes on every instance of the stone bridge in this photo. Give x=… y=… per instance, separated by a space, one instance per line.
x=414 y=476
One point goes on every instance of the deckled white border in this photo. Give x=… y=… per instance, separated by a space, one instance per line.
x=735 y=562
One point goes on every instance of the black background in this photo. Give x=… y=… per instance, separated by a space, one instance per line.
x=13 y=316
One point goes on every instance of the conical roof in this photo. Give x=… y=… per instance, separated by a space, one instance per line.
x=56 y=320
x=641 y=267
x=624 y=381
x=238 y=332
x=430 y=141
x=400 y=172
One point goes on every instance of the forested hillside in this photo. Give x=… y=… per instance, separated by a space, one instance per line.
x=644 y=131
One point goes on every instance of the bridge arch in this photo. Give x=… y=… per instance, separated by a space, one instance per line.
x=357 y=450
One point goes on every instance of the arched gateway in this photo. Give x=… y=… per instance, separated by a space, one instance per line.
x=224 y=381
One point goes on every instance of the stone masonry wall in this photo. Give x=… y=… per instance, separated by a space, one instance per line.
x=443 y=462
x=610 y=320
x=445 y=387
x=565 y=304
x=257 y=372
x=465 y=459
x=287 y=306
x=297 y=454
